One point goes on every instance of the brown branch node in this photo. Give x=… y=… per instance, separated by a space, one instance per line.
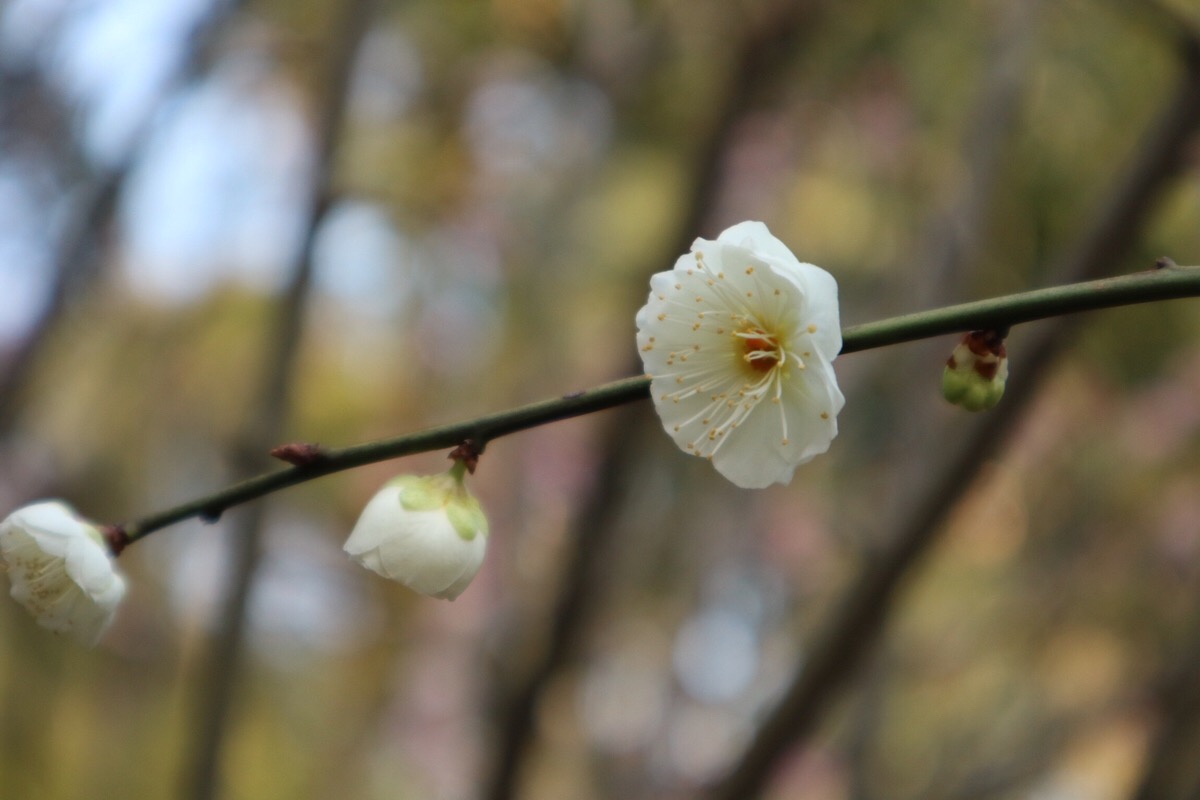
x=116 y=537
x=299 y=454
x=467 y=452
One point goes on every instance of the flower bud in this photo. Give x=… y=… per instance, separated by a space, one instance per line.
x=426 y=532
x=60 y=569
x=976 y=371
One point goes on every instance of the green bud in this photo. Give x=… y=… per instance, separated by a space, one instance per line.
x=976 y=371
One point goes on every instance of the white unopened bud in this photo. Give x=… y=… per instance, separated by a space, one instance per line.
x=426 y=532
x=60 y=569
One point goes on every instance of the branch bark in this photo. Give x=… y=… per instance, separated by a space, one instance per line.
x=1000 y=313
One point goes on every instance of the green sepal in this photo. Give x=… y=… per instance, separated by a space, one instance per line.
x=446 y=493
x=421 y=493
x=467 y=517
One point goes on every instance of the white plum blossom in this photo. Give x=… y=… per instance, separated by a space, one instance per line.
x=426 y=532
x=738 y=340
x=60 y=569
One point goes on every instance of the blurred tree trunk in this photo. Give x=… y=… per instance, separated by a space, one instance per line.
x=267 y=422
x=82 y=254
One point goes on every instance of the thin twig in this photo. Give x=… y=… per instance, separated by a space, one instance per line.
x=1168 y=282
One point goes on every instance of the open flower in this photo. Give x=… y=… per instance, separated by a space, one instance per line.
x=427 y=532
x=60 y=569
x=739 y=340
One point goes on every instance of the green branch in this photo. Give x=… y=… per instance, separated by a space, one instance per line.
x=1001 y=313
x=1168 y=282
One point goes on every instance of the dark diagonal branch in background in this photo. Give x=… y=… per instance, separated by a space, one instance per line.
x=81 y=249
x=215 y=694
x=1170 y=768
x=861 y=617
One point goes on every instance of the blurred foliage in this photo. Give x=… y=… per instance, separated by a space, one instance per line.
x=530 y=160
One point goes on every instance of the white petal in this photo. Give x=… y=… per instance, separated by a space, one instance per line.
x=375 y=523
x=420 y=549
x=820 y=308
x=756 y=454
x=60 y=570
x=755 y=236
x=811 y=402
x=51 y=523
x=90 y=567
x=817 y=286
x=427 y=554
x=751 y=458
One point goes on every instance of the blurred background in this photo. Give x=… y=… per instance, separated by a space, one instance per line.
x=224 y=225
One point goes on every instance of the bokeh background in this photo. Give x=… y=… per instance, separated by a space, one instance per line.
x=224 y=225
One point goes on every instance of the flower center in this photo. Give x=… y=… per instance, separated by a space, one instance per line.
x=762 y=350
